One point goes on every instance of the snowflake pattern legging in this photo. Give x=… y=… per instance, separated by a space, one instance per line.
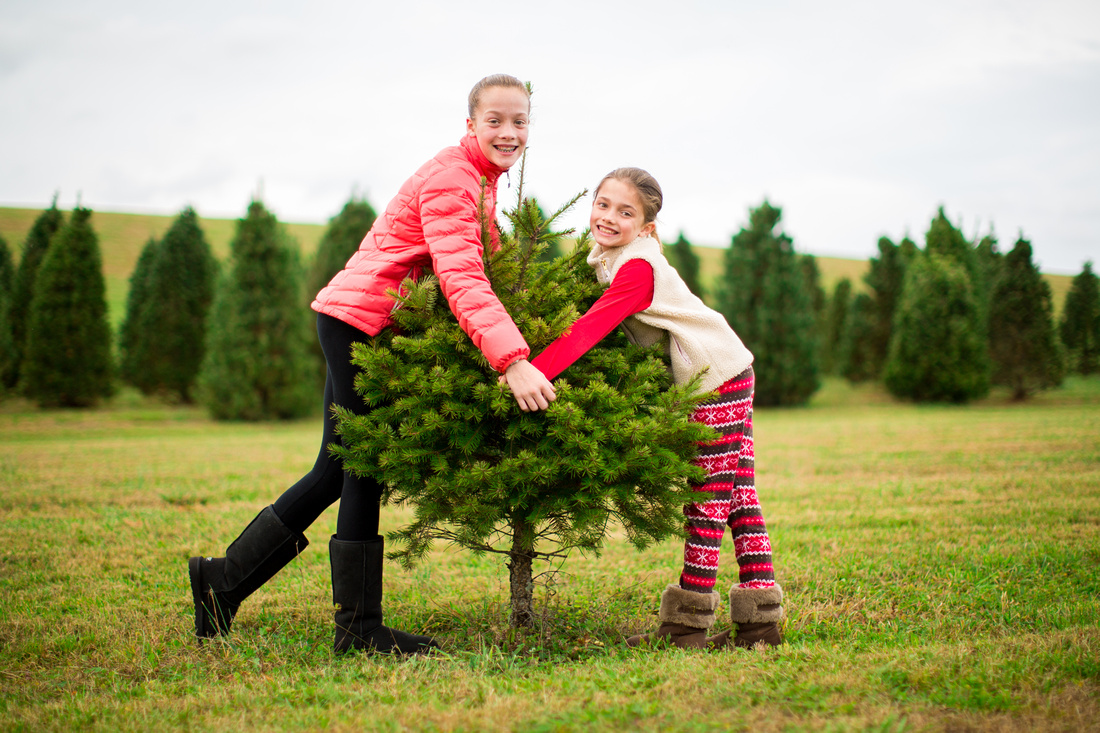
x=727 y=495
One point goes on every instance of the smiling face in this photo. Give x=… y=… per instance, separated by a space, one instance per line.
x=617 y=215
x=500 y=124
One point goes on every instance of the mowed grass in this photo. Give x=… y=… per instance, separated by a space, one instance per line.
x=941 y=567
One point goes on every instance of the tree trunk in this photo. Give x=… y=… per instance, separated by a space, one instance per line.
x=519 y=576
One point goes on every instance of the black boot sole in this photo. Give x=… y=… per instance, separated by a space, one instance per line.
x=204 y=628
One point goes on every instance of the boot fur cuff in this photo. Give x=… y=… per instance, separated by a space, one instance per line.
x=756 y=605
x=679 y=606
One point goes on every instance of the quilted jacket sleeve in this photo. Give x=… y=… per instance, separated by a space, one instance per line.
x=449 y=215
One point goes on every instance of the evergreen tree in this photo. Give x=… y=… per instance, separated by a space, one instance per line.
x=686 y=262
x=172 y=316
x=1026 y=353
x=765 y=297
x=341 y=239
x=7 y=269
x=884 y=278
x=551 y=248
x=835 y=323
x=548 y=247
x=856 y=352
x=946 y=240
x=443 y=436
x=34 y=249
x=131 y=344
x=7 y=341
x=1080 y=323
x=68 y=360
x=937 y=351
x=257 y=364
x=819 y=302
x=908 y=250
x=989 y=260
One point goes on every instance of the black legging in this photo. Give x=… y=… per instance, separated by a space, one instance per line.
x=302 y=503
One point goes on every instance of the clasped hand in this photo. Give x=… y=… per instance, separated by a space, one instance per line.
x=532 y=390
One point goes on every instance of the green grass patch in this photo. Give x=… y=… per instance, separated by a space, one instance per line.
x=940 y=565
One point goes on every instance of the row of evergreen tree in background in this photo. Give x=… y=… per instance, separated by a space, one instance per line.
x=938 y=323
x=942 y=323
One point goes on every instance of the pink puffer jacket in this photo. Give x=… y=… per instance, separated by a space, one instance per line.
x=433 y=221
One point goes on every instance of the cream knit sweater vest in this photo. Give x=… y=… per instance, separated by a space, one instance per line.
x=698 y=338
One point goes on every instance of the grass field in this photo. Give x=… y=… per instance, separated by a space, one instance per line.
x=941 y=567
x=122 y=236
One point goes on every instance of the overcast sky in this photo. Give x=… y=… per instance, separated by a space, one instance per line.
x=858 y=119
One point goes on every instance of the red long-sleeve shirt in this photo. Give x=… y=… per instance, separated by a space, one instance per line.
x=630 y=292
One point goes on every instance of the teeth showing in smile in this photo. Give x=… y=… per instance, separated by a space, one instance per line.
x=605 y=230
x=506 y=148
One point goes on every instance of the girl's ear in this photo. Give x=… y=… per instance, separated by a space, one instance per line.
x=470 y=127
x=649 y=228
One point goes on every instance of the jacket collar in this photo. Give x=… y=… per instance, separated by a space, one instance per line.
x=484 y=166
x=604 y=260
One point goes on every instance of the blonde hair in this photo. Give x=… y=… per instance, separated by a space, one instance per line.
x=494 y=80
x=649 y=191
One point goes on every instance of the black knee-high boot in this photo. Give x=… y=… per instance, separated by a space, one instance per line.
x=357 y=595
x=220 y=584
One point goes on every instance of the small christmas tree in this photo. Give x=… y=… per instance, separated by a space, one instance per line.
x=132 y=346
x=686 y=262
x=938 y=352
x=34 y=249
x=884 y=280
x=855 y=355
x=443 y=436
x=172 y=316
x=257 y=364
x=1027 y=355
x=68 y=360
x=766 y=298
x=7 y=341
x=1080 y=324
x=835 y=325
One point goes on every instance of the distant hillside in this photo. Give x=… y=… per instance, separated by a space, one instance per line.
x=122 y=236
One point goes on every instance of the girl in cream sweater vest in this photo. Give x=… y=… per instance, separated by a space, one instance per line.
x=653 y=304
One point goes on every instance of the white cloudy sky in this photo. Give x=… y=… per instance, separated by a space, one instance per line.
x=858 y=118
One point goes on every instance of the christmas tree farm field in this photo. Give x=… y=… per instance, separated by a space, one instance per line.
x=941 y=568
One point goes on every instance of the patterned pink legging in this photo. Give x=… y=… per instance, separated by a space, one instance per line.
x=728 y=495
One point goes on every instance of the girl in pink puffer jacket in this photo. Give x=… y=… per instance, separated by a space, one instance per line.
x=433 y=221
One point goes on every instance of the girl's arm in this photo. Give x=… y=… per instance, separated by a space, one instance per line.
x=631 y=291
x=452 y=231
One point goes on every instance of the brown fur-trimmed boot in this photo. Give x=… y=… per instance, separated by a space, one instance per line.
x=756 y=612
x=685 y=618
